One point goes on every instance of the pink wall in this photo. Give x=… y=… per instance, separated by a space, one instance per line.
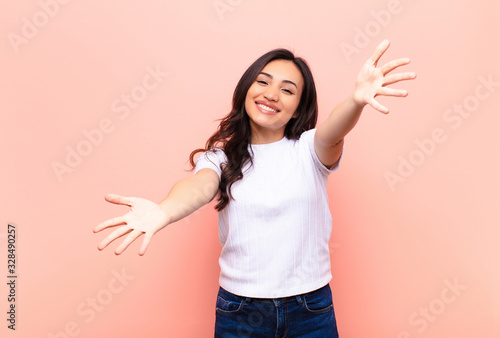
x=415 y=203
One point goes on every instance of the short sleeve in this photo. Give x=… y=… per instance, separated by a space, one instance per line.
x=308 y=138
x=211 y=160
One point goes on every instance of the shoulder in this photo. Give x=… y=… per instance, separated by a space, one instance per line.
x=215 y=154
x=307 y=136
x=308 y=133
x=211 y=159
x=307 y=141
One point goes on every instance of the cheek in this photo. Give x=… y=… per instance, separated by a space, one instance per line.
x=252 y=91
x=250 y=94
x=292 y=104
x=248 y=102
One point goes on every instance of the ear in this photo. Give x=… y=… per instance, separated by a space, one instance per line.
x=295 y=115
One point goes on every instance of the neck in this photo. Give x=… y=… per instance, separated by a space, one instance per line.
x=260 y=136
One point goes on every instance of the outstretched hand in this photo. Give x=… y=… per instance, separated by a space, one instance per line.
x=145 y=217
x=372 y=81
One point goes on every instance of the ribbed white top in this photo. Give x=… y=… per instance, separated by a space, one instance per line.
x=275 y=233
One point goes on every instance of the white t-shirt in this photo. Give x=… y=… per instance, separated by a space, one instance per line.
x=275 y=233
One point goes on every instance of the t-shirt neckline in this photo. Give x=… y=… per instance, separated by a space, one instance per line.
x=260 y=145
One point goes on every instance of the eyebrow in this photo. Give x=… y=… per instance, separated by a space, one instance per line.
x=286 y=81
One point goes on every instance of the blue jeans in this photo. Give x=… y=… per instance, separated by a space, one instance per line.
x=309 y=315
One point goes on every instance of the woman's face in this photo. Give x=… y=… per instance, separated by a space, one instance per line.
x=272 y=99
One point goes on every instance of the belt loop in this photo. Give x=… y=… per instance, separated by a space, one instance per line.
x=299 y=299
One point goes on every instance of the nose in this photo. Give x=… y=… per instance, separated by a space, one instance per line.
x=271 y=94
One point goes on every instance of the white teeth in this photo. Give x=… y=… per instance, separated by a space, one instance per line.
x=267 y=108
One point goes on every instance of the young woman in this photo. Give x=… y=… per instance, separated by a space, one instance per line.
x=268 y=167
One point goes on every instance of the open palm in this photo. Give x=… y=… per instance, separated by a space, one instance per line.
x=372 y=81
x=145 y=217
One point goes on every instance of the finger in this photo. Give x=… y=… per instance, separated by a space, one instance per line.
x=145 y=243
x=130 y=238
x=393 y=78
x=110 y=223
x=392 y=92
x=112 y=236
x=118 y=199
x=390 y=66
x=378 y=106
x=379 y=51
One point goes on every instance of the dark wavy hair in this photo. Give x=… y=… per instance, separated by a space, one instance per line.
x=233 y=134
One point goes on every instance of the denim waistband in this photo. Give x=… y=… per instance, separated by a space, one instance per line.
x=276 y=301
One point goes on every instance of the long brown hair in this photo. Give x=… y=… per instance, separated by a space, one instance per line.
x=233 y=134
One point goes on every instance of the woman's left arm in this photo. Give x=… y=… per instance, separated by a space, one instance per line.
x=371 y=82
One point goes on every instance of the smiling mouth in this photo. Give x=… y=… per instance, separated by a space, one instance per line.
x=265 y=108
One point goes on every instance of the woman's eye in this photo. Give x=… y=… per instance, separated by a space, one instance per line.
x=261 y=82
x=288 y=91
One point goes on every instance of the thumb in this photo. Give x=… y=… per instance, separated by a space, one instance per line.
x=118 y=199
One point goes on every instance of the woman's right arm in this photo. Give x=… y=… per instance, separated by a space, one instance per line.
x=146 y=217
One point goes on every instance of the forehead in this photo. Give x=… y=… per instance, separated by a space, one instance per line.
x=284 y=70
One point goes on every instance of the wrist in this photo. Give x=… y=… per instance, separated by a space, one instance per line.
x=356 y=100
x=165 y=209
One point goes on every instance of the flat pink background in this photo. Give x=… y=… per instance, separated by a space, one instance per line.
x=395 y=248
